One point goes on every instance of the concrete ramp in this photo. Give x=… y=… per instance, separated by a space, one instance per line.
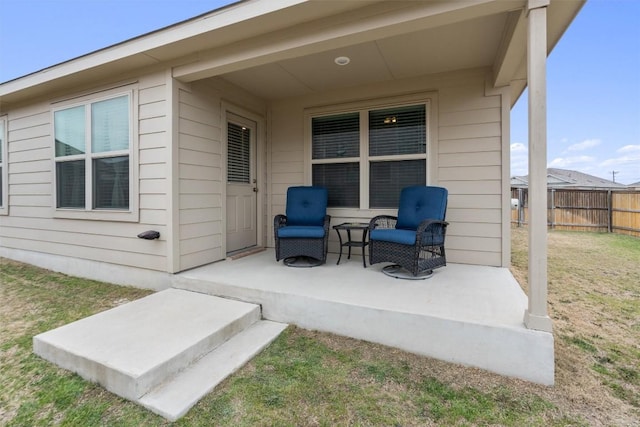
x=164 y=351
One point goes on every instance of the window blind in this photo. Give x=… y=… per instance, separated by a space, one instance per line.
x=70 y=184
x=387 y=179
x=336 y=136
x=239 y=153
x=398 y=130
x=111 y=183
x=110 y=125
x=69 y=132
x=342 y=181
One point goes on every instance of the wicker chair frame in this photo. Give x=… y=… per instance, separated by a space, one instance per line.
x=419 y=258
x=301 y=247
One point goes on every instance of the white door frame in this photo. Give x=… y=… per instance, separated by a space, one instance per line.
x=230 y=108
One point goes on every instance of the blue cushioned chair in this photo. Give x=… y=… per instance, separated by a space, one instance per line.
x=304 y=231
x=414 y=240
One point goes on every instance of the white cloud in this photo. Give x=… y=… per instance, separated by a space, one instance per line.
x=571 y=162
x=519 y=159
x=623 y=160
x=586 y=144
x=628 y=149
x=518 y=147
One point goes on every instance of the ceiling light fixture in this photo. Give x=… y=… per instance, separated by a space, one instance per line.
x=342 y=60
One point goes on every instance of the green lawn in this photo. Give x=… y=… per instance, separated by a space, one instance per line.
x=310 y=378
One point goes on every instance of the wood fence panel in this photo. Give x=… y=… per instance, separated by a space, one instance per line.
x=585 y=210
x=625 y=212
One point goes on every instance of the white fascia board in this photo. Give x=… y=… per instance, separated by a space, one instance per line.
x=215 y=21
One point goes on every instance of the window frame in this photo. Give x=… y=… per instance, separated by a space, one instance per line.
x=428 y=99
x=88 y=212
x=4 y=165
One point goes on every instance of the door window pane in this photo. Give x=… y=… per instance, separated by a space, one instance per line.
x=399 y=130
x=111 y=183
x=69 y=128
x=239 y=154
x=335 y=137
x=110 y=125
x=70 y=188
x=342 y=181
x=387 y=179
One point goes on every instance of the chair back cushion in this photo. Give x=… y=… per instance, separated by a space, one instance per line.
x=306 y=205
x=421 y=202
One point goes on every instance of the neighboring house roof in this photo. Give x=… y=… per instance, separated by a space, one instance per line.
x=563 y=178
x=283 y=49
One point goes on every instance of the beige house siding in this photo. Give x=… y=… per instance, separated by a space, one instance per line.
x=202 y=167
x=470 y=166
x=465 y=156
x=31 y=224
x=200 y=176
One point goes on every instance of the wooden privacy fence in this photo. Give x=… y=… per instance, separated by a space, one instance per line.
x=613 y=211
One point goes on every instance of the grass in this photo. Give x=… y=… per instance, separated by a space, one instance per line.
x=310 y=378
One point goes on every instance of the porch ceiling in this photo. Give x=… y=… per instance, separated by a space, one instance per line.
x=385 y=41
x=461 y=45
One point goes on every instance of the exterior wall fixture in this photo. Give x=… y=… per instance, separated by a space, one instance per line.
x=149 y=235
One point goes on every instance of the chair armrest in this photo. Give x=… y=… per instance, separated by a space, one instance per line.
x=279 y=221
x=383 y=221
x=327 y=222
x=432 y=226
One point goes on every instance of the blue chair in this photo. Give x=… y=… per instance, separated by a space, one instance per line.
x=302 y=235
x=414 y=240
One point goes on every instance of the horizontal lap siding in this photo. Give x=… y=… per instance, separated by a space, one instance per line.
x=287 y=158
x=470 y=167
x=199 y=177
x=468 y=148
x=31 y=225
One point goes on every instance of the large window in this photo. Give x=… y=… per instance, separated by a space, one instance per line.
x=92 y=152
x=366 y=157
x=3 y=167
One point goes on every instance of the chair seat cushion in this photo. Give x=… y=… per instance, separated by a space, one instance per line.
x=301 y=231
x=405 y=237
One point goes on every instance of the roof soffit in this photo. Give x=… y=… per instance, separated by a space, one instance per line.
x=510 y=67
x=375 y=22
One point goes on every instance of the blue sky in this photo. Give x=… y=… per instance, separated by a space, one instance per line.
x=593 y=73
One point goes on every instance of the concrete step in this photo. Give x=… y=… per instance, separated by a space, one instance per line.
x=178 y=394
x=133 y=348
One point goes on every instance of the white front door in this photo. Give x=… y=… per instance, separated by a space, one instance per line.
x=241 y=183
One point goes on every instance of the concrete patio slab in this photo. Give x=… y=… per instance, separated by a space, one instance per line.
x=177 y=395
x=135 y=347
x=465 y=314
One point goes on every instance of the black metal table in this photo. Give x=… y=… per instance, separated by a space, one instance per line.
x=348 y=226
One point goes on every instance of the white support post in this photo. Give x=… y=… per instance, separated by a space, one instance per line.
x=536 y=316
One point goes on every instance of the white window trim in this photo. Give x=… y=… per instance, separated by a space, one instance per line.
x=4 y=163
x=429 y=99
x=130 y=215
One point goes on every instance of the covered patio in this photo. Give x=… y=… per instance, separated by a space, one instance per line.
x=464 y=314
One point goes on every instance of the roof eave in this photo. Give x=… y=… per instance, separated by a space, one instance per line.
x=140 y=50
